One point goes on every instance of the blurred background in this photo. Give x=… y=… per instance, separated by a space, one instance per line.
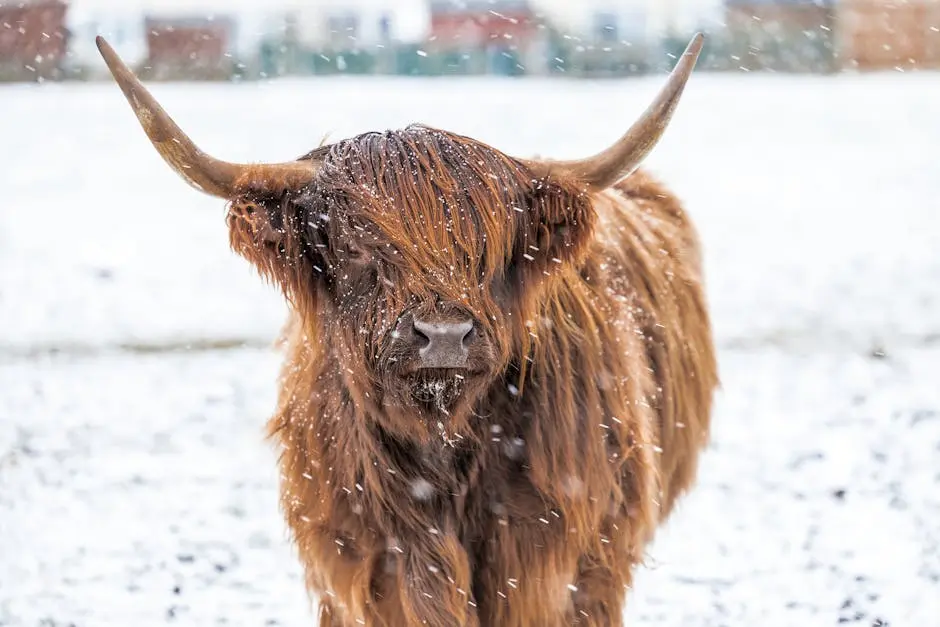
x=256 y=39
x=136 y=359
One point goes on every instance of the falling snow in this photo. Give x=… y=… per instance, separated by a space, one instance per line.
x=422 y=489
x=135 y=483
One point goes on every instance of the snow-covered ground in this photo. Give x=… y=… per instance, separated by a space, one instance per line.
x=136 y=373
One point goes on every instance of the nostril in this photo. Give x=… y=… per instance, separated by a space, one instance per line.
x=469 y=336
x=421 y=339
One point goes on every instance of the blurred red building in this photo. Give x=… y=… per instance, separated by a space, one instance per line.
x=33 y=39
x=477 y=24
x=878 y=35
x=477 y=36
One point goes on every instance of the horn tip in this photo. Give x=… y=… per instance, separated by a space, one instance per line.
x=106 y=51
x=692 y=52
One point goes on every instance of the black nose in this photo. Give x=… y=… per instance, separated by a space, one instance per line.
x=443 y=344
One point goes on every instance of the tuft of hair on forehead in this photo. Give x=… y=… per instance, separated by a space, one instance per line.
x=441 y=199
x=442 y=221
x=450 y=218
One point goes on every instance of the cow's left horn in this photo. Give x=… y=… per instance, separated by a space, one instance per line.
x=205 y=173
x=606 y=168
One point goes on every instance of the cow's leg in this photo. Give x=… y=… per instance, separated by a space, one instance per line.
x=329 y=617
x=388 y=584
x=426 y=597
x=605 y=573
x=533 y=572
x=425 y=581
x=520 y=590
x=525 y=574
x=338 y=571
x=599 y=595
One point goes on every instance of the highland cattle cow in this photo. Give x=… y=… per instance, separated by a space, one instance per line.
x=499 y=371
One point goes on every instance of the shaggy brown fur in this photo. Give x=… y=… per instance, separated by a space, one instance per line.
x=526 y=496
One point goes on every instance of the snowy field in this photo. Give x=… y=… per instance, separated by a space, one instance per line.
x=136 y=373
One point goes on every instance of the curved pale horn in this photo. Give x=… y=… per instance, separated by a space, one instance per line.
x=620 y=160
x=205 y=173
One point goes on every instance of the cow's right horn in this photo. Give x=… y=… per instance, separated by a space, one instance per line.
x=623 y=157
x=205 y=173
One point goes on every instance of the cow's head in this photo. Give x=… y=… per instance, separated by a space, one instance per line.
x=417 y=256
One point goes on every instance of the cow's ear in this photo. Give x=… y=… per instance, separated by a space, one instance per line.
x=273 y=236
x=554 y=230
x=257 y=233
